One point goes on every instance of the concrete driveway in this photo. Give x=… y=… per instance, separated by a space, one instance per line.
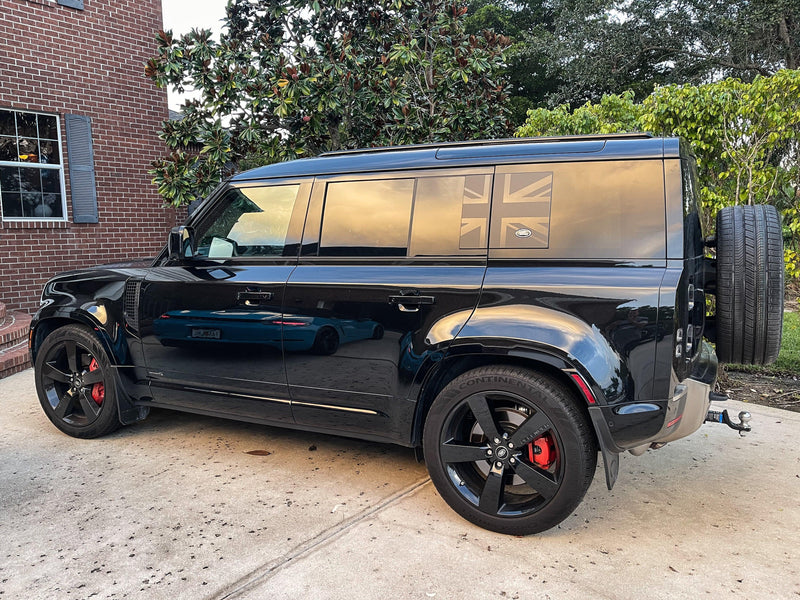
x=176 y=507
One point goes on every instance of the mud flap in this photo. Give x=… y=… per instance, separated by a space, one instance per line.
x=611 y=464
x=607 y=446
x=129 y=411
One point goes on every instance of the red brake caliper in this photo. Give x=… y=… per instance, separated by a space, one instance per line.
x=542 y=451
x=98 y=389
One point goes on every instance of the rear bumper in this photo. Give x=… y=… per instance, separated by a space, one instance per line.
x=691 y=399
x=635 y=426
x=619 y=427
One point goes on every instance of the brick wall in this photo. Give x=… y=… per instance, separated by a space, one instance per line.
x=90 y=62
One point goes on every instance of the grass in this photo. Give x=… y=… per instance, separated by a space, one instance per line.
x=788 y=362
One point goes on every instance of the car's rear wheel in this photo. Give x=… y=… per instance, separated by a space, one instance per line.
x=74 y=383
x=509 y=450
x=749 y=286
x=326 y=341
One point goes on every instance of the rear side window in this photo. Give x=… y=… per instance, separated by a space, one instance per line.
x=367 y=218
x=592 y=210
x=451 y=215
x=374 y=217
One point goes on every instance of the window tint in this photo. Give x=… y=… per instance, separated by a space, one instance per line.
x=251 y=221
x=609 y=209
x=451 y=214
x=367 y=218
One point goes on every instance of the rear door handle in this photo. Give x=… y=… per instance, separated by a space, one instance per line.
x=253 y=298
x=411 y=303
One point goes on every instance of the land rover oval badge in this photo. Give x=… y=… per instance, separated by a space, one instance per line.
x=523 y=233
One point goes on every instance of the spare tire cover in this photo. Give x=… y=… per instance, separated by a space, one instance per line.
x=749 y=284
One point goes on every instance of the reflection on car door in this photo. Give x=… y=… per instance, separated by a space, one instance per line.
x=211 y=325
x=382 y=296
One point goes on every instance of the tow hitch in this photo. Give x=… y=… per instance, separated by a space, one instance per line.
x=743 y=426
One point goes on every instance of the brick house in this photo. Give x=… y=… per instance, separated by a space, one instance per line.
x=78 y=131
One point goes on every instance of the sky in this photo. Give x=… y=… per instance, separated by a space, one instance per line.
x=181 y=15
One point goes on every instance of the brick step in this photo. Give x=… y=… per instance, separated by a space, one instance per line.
x=14 y=359
x=14 y=329
x=14 y=355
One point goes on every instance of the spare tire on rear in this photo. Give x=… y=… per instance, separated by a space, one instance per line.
x=749 y=285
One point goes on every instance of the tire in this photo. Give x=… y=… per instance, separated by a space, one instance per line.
x=377 y=333
x=509 y=487
x=326 y=342
x=74 y=382
x=749 y=284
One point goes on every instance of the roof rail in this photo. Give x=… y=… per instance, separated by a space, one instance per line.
x=503 y=141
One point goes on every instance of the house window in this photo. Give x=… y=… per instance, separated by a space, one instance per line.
x=31 y=173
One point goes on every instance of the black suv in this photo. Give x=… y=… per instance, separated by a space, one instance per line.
x=508 y=307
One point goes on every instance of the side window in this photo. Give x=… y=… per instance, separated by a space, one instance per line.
x=249 y=221
x=451 y=215
x=367 y=218
x=596 y=210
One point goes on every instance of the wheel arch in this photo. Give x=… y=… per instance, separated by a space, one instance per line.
x=45 y=325
x=455 y=363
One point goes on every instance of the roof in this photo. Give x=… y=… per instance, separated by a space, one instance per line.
x=473 y=153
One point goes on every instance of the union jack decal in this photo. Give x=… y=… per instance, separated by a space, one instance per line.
x=524 y=207
x=475 y=212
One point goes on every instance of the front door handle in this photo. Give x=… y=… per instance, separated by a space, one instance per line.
x=252 y=298
x=411 y=303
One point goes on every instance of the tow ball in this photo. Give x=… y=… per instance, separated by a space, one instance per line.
x=743 y=426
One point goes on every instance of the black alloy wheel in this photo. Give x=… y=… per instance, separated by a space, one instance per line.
x=509 y=450
x=73 y=381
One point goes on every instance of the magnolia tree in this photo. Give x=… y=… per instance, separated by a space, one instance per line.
x=746 y=137
x=292 y=78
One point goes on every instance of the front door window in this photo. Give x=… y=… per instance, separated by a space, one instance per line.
x=250 y=221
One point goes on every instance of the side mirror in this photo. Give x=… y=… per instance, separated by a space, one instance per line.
x=181 y=243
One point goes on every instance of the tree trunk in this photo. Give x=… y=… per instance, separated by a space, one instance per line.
x=783 y=32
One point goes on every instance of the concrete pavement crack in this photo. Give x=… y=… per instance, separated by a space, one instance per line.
x=263 y=573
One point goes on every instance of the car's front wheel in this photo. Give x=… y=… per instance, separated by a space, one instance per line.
x=74 y=383
x=509 y=450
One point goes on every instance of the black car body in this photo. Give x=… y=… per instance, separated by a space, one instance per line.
x=577 y=262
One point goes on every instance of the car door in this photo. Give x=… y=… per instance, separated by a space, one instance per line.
x=211 y=324
x=382 y=293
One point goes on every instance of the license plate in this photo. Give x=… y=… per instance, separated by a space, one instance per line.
x=205 y=334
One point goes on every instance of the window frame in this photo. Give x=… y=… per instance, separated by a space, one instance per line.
x=60 y=167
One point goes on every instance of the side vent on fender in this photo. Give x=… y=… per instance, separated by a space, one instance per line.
x=132 y=289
